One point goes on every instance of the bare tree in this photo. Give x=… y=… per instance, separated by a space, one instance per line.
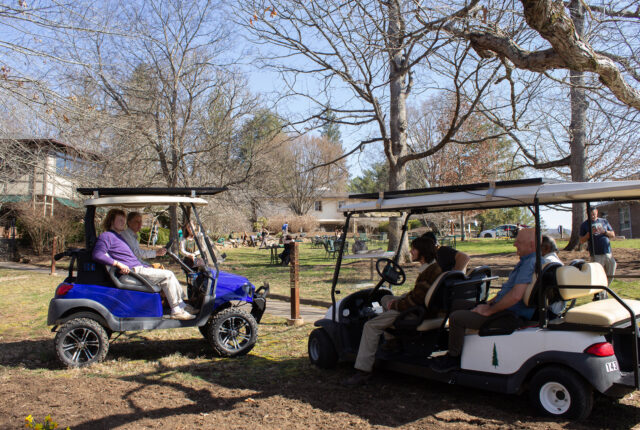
x=163 y=98
x=300 y=184
x=373 y=50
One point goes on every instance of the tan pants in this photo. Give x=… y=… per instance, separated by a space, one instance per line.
x=166 y=280
x=371 y=335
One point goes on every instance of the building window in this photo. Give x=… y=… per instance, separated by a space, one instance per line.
x=340 y=204
x=317 y=206
x=625 y=218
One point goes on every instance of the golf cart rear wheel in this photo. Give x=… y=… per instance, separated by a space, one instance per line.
x=322 y=353
x=81 y=342
x=232 y=332
x=560 y=392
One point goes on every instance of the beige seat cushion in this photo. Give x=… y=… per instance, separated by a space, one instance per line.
x=591 y=275
x=602 y=312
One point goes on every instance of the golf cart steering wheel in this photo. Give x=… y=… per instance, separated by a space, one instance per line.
x=176 y=258
x=391 y=272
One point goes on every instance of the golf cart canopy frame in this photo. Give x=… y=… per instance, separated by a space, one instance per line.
x=140 y=197
x=493 y=195
x=143 y=197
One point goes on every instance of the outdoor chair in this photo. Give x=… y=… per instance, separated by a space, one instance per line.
x=329 y=248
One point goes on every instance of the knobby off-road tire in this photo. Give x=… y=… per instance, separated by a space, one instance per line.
x=232 y=332
x=322 y=353
x=81 y=342
x=560 y=392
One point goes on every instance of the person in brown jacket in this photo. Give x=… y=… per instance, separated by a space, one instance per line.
x=423 y=250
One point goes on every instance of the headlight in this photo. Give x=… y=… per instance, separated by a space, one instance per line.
x=247 y=288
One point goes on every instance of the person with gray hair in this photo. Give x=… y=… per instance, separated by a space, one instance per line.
x=549 y=249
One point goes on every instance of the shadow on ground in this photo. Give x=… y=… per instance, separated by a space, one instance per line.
x=390 y=399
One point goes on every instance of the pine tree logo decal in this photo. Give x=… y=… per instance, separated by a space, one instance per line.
x=494 y=359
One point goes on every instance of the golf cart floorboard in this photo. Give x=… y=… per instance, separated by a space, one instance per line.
x=491 y=382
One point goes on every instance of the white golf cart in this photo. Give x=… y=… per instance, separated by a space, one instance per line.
x=561 y=359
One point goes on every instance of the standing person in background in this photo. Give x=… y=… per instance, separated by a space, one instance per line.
x=602 y=232
x=154 y=233
x=285 y=229
x=130 y=235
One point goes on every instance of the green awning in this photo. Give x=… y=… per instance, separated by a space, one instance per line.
x=69 y=203
x=14 y=199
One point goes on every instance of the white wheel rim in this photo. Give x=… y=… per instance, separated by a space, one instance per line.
x=314 y=349
x=555 y=398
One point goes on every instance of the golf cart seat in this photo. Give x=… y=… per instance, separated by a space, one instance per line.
x=482 y=272
x=506 y=322
x=439 y=299
x=601 y=313
x=131 y=281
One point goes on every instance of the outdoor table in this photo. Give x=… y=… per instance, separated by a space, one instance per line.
x=373 y=255
x=274 y=252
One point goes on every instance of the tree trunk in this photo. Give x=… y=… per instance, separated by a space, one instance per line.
x=462 y=236
x=577 y=130
x=396 y=146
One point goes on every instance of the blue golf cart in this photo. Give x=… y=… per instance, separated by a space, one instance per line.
x=95 y=301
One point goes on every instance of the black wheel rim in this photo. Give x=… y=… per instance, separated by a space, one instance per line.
x=81 y=345
x=235 y=333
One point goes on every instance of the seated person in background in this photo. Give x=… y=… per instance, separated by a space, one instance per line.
x=112 y=250
x=188 y=247
x=285 y=255
x=549 y=249
x=423 y=251
x=508 y=298
x=130 y=235
x=448 y=258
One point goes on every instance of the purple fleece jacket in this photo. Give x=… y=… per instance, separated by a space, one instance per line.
x=111 y=247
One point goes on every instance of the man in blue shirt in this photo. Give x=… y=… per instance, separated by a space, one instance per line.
x=508 y=298
x=602 y=232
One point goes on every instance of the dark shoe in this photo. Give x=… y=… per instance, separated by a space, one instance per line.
x=391 y=345
x=445 y=363
x=358 y=378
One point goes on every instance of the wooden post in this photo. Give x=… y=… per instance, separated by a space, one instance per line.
x=295 y=284
x=53 y=260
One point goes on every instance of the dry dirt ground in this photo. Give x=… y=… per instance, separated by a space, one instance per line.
x=149 y=381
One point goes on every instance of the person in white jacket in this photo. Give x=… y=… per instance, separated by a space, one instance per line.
x=130 y=235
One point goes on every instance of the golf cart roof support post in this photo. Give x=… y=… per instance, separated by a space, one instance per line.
x=591 y=239
x=402 y=236
x=542 y=305
x=89 y=227
x=336 y=270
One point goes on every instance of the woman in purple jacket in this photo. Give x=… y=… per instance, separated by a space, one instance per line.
x=112 y=250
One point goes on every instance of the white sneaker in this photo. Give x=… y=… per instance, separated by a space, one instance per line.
x=182 y=315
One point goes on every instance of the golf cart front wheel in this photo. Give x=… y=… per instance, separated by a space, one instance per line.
x=232 y=332
x=560 y=392
x=81 y=342
x=322 y=353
